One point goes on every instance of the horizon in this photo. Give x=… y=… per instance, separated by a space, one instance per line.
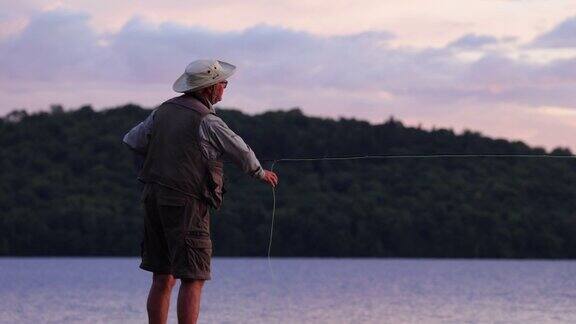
x=456 y=132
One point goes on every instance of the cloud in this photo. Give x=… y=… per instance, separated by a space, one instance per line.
x=473 y=41
x=59 y=46
x=54 y=46
x=58 y=57
x=561 y=36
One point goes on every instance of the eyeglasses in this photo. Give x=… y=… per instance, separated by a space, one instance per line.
x=224 y=84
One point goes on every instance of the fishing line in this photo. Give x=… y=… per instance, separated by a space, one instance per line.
x=272 y=222
x=388 y=156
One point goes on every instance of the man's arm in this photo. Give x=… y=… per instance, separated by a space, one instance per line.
x=137 y=140
x=218 y=140
x=139 y=136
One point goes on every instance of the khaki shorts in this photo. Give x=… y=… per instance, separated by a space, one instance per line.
x=176 y=234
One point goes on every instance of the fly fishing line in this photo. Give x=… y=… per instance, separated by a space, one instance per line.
x=367 y=157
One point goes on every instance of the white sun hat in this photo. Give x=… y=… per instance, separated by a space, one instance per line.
x=203 y=73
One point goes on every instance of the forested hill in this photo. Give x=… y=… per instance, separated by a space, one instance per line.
x=67 y=187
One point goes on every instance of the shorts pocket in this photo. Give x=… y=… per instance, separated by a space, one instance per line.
x=198 y=242
x=198 y=253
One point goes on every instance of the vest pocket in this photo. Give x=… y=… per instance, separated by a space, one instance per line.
x=215 y=183
x=171 y=201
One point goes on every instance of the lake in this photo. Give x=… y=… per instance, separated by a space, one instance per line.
x=249 y=290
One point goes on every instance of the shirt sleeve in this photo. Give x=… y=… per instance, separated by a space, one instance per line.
x=219 y=141
x=139 y=136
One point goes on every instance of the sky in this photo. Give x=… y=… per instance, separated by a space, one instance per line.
x=505 y=68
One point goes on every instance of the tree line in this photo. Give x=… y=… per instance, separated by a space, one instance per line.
x=67 y=187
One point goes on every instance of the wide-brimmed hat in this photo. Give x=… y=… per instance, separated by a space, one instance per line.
x=203 y=73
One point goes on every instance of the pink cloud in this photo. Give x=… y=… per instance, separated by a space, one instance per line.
x=59 y=58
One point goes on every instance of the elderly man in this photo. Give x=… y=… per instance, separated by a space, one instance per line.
x=182 y=144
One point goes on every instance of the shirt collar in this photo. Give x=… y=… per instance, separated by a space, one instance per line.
x=205 y=102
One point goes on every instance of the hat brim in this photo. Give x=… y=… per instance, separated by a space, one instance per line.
x=182 y=84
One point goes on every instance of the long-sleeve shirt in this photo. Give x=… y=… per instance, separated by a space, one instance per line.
x=217 y=142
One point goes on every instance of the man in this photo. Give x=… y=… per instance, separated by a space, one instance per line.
x=182 y=144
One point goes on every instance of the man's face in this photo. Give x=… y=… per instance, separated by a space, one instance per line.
x=218 y=91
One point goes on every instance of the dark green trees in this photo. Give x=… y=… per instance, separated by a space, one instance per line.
x=67 y=188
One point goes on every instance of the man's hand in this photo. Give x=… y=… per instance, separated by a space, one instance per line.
x=270 y=178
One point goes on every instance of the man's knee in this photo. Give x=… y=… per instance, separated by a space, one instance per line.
x=163 y=281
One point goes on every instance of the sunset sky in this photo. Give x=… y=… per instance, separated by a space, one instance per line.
x=506 y=68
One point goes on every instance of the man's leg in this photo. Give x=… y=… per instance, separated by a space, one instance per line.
x=159 y=298
x=189 y=300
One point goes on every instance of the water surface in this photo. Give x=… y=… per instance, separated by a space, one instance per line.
x=114 y=290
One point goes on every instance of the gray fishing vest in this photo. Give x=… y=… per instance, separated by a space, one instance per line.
x=174 y=158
